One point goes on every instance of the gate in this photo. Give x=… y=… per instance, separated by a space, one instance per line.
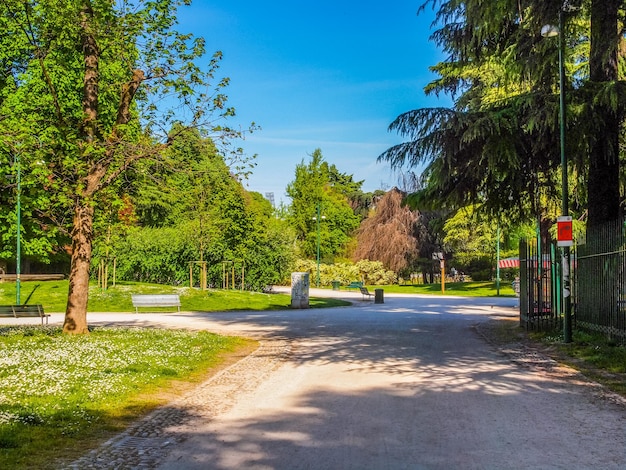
x=540 y=286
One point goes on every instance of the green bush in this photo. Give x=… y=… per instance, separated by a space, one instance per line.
x=162 y=255
x=369 y=272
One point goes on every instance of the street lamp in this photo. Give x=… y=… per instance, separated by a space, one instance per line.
x=18 y=267
x=551 y=31
x=317 y=222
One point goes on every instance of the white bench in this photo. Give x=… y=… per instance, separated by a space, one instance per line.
x=155 y=300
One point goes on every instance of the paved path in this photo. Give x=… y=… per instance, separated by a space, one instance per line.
x=408 y=384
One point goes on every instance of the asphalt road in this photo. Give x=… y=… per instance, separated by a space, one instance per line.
x=408 y=384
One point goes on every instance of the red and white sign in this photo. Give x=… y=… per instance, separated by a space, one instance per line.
x=564 y=234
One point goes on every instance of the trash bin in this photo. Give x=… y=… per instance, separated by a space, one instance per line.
x=379 y=296
x=336 y=285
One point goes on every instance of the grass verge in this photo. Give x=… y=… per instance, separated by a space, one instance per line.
x=467 y=289
x=60 y=393
x=592 y=354
x=53 y=296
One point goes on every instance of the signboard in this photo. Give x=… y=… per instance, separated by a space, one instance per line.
x=564 y=231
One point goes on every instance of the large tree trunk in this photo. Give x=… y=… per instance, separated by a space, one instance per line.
x=82 y=228
x=98 y=175
x=82 y=236
x=603 y=181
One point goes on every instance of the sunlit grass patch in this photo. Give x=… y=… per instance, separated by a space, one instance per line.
x=53 y=296
x=471 y=289
x=57 y=390
x=600 y=359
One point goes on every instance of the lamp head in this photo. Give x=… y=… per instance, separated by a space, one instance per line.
x=549 y=31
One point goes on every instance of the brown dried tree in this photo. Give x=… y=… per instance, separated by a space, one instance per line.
x=388 y=235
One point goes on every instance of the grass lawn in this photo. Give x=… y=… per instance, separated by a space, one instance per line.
x=53 y=296
x=60 y=393
x=472 y=289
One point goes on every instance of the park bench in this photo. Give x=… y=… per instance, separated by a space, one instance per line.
x=354 y=285
x=18 y=311
x=155 y=300
x=366 y=293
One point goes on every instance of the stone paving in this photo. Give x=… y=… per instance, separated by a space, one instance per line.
x=147 y=442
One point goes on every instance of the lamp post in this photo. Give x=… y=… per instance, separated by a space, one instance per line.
x=498 y=260
x=551 y=31
x=18 y=254
x=317 y=223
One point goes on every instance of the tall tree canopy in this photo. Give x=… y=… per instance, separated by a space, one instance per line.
x=499 y=145
x=191 y=209
x=87 y=89
x=391 y=234
x=320 y=184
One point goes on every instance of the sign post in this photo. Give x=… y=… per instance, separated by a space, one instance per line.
x=565 y=239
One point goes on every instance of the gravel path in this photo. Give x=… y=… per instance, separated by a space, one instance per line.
x=411 y=384
x=147 y=442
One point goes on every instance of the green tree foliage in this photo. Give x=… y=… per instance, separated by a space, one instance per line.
x=471 y=241
x=499 y=145
x=88 y=89
x=191 y=208
x=42 y=240
x=320 y=184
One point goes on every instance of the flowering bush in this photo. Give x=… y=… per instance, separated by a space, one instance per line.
x=370 y=272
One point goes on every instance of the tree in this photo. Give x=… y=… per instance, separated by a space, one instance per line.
x=321 y=184
x=85 y=97
x=193 y=208
x=41 y=241
x=607 y=37
x=468 y=237
x=390 y=233
x=498 y=146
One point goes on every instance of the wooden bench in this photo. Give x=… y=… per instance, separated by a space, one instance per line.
x=31 y=277
x=155 y=300
x=18 y=311
x=366 y=293
x=354 y=285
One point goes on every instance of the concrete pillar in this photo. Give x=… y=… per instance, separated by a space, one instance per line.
x=300 y=290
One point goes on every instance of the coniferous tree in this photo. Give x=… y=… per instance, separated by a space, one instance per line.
x=499 y=145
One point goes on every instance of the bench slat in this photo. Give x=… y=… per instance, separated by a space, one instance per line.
x=155 y=300
x=365 y=292
x=354 y=285
x=18 y=311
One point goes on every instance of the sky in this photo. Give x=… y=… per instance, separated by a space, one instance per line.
x=329 y=74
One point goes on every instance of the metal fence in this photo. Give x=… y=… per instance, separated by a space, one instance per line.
x=601 y=280
x=598 y=267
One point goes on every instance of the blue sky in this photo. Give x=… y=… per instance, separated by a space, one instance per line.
x=325 y=74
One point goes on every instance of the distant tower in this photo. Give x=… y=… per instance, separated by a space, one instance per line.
x=270 y=198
